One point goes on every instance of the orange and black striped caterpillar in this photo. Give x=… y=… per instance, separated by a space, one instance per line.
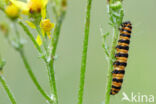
x=121 y=57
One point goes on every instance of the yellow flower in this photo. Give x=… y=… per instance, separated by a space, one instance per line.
x=32 y=6
x=12 y=11
x=35 y=6
x=46 y=26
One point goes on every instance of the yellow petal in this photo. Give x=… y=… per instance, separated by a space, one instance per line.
x=43 y=13
x=21 y=5
x=39 y=40
x=45 y=2
x=32 y=25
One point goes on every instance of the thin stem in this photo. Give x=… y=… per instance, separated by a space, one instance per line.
x=105 y=49
x=104 y=44
x=47 y=53
x=54 y=45
x=33 y=78
x=55 y=40
x=40 y=51
x=50 y=80
x=8 y=91
x=29 y=70
x=56 y=35
x=31 y=37
x=84 y=53
x=111 y=58
x=53 y=81
x=116 y=16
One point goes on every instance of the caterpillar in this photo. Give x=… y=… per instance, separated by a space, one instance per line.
x=121 y=57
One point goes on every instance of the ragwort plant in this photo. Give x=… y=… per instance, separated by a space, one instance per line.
x=45 y=42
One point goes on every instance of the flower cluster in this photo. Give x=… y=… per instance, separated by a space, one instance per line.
x=32 y=17
x=35 y=9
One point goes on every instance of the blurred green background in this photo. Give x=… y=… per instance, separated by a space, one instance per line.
x=140 y=72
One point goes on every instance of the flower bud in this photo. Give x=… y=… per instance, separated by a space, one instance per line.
x=46 y=25
x=12 y=11
x=116 y=5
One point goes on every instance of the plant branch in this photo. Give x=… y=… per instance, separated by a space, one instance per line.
x=54 y=43
x=32 y=76
x=116 y=16
x=30 y=35
x=84 y=53
x=110 y=69
x=104 y=43
x=29 y=70
x=8 y=91
x=56 y=34
x=39 y=50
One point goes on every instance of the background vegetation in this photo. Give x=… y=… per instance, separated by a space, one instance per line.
x=140 y=72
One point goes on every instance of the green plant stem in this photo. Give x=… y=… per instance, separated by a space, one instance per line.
x=56 y=35
x=30 y=35
x=84 y=53
x=104 y=44
x=33 y=78
x=116 y=16
x=47 y=53
x=110 y=69
x=29 y=70
x=8 y=91
x=53 y=81
x=54 y=42
x=50 y=80
x=44 y=58
x=39 y=50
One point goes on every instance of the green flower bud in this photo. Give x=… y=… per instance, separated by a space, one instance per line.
x=116 y=5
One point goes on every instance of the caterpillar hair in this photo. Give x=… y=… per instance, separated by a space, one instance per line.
x=121 y=57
